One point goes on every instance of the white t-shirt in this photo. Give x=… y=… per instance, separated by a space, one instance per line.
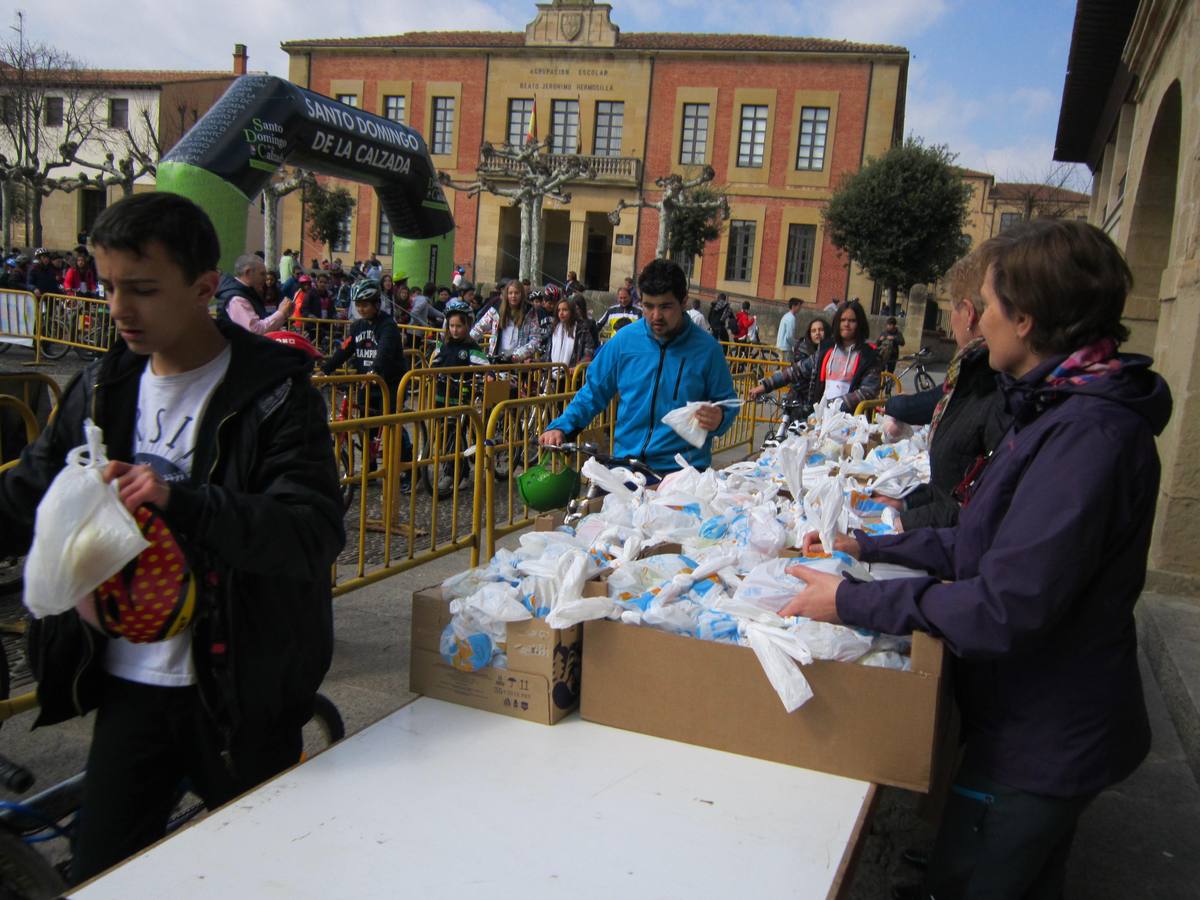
x=508 y=338
x=170 y=409
x=562 y=345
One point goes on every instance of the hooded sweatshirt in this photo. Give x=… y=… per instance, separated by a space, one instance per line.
x=1033 y=591
x=653 y=377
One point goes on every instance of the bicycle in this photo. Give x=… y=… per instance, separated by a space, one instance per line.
x=510 y=451
x=351 y=456
x=579 y=507
x=922 y=379
x=793 y=418
x=70 y=321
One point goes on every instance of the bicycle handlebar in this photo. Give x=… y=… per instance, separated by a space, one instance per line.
x=604 y=459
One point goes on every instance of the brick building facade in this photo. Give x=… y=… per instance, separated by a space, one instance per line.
x=781 y=120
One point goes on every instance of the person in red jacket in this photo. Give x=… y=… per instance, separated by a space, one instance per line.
x=80 y=279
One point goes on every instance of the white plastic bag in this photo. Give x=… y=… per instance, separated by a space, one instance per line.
x=683 y=420
x=83 y=535
x=778 y=652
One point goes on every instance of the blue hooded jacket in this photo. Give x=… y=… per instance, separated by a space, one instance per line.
x=1033 y=591
x=653 y=377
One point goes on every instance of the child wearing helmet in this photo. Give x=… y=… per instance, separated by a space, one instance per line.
x=455 y=348
x=373 y=345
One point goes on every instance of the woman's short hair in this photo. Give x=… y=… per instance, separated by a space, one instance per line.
x=1068 y=276
x=964 y=281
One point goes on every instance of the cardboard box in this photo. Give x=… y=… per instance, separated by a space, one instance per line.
x=541 y=683
x=872 y=724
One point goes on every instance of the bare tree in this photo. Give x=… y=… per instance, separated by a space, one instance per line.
x=1054 y=194
x=131 y=155
x=538 y=176
x=281 y=185
x=49 y=110
x=678 y=197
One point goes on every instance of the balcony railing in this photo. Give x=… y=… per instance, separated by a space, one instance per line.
x=608 y=169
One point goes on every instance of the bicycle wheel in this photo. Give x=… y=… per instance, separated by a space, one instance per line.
x=61 y=326
x=324 y=729
x=924 y=381
x=25 y=873
x=349 y=454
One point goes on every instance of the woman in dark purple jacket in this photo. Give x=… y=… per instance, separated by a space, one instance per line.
x=1033 y=591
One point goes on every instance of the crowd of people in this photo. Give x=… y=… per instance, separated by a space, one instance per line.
x=44 y=272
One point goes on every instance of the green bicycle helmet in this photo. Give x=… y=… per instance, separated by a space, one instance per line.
x=544 y=489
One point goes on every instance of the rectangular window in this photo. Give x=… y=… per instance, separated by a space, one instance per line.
x=693 y=143
x=393 y=107
x=814 y=126
x=739 y=259
x=53 y=110
x=341 y=243
x=1009 y=220
x=685 y=262
x=610 y=122
x=384 y=246
x=752 y=139
x=118 y=113
x=564 y=126
x=520 y=114
x=348 y=99
x=443 y=126
x=802 y=241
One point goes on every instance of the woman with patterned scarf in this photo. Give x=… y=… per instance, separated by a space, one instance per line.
x=969 y=418
x=1033 y=590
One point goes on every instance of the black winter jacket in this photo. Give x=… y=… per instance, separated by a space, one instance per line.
x=375 y=347
x=260 y=520
x=228 y=288
x=971 y=427
x=808 y=375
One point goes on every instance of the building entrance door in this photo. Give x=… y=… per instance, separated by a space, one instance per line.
x=597 y=264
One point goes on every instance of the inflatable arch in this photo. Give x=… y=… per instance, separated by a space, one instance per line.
x=262 y=122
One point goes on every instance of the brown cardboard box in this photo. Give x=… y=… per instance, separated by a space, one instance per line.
x=541 y=683
x=872 y=724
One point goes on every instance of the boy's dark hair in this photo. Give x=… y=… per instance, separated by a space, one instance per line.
x=891 y=320
x=430 y=289
x=183 y=228
x=1068 y=276
x=461 y=314
x=662 y=276
x=746 y=305
x=793 y=302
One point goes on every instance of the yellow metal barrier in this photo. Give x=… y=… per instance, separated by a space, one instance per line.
x=18 y=319
x=870 y=408
x=82 y=323
x=27 y=387
x=890 y=378
x=391 y=528
x=511 y=447
x=325 y=334
x=28 y=419
x=478 y=386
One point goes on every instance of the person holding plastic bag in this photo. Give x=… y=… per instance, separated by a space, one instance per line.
x=1033 y=591
x=219 y=448
x=657 y=364
x=844 y=368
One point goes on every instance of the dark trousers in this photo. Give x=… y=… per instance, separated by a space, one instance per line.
x=999 y=843
x=146 y=741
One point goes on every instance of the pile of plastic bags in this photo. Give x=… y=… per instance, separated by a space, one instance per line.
x=701 y=555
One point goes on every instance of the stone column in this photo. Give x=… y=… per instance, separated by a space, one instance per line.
x=577 y=248
x=914 y=322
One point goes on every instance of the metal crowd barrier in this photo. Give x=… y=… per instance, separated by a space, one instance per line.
x=511 y=442
x=18 y=319
x=393 y=525
x=64 y=322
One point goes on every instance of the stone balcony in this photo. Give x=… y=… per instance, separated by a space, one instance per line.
x=615 y=170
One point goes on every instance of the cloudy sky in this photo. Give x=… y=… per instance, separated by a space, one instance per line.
x=986 y=76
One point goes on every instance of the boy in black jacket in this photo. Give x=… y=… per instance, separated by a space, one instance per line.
x=374 y=345
x=216 y=434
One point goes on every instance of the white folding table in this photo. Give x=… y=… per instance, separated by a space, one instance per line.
x=438 y=800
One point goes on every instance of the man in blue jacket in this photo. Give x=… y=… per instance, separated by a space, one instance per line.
x=654 y=365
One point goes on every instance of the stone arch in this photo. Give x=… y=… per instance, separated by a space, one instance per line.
x=1152 y=220
x=262 y=122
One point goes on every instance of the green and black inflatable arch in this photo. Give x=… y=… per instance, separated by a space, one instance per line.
x=262 y=122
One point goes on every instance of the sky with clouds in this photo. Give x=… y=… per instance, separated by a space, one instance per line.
x=986 y=76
